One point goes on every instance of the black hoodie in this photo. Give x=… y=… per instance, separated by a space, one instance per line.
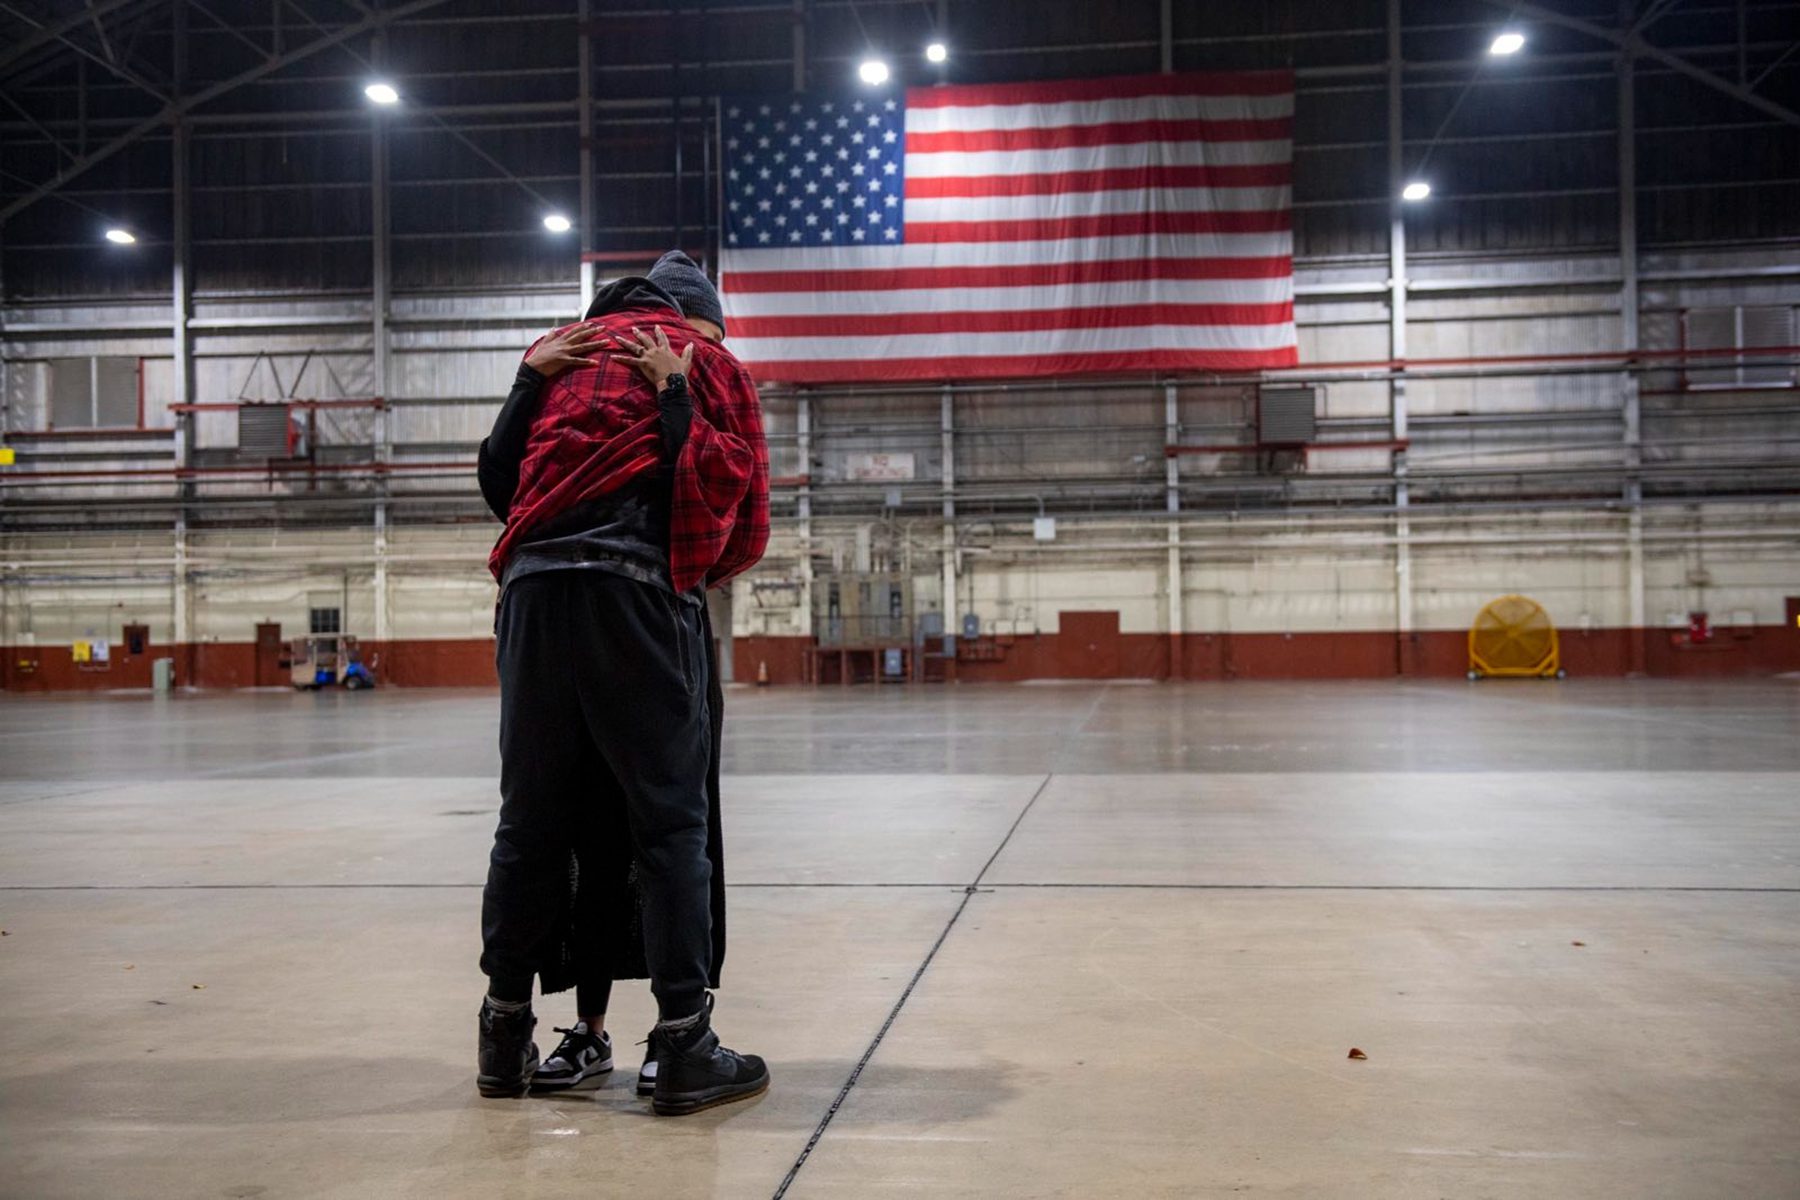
x=625 y=532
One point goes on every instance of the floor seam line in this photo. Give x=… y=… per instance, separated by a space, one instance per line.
x=868 y=1053
x=969 y=894
x=1089 y=887
x=1012 y=829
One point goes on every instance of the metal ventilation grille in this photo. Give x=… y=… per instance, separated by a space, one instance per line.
x=1740 y=328
x=262 y=430
x=1286 y=416
x=1766 y=327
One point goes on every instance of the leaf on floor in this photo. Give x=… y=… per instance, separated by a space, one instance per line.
x=1577 y=943
x=1357 y=1054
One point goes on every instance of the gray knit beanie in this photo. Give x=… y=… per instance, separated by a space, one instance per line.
x=678 y=275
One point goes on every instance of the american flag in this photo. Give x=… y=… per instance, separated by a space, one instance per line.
x=1100 y=225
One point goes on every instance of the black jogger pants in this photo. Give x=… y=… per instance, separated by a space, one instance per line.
x=603 y=714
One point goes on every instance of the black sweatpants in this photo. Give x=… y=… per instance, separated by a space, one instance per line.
x=603 y=713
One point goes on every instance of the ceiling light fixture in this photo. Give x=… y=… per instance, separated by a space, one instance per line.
x=937 y=52
x=121 y=237
x=873 y=71
x=557 y=223
x=1510 y=42
x=382 y=93
x=1418 y=189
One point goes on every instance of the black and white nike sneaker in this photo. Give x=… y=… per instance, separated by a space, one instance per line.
x=646 y=1084
x=581 y=1061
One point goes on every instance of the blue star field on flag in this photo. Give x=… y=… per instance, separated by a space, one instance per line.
x=814 y=171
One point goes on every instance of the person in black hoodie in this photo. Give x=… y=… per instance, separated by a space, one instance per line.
x=598 y=907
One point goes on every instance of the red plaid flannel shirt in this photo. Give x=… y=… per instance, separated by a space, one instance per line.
x=597 y=430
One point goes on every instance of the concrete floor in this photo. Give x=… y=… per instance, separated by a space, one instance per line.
x=1082 y=940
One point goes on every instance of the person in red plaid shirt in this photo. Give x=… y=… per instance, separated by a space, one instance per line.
x=629 y=482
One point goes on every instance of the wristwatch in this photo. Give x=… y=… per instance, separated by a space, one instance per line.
x=675 y=380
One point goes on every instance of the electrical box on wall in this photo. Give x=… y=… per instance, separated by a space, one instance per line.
x=1286 y=416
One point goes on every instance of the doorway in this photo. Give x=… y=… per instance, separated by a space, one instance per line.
x=268 y=655
x=1088 y=645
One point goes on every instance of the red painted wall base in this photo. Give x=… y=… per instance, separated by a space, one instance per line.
x=1089 y=647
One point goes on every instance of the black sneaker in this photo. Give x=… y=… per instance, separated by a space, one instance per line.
x=646 y=1084
x=505 y=1053
x=580 y=1061
x=694 y=1072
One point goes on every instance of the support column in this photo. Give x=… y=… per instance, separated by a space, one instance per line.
x=1403 y=592
x=947 y=425
x=1630 y=411
x=584 y=100
x=1177 y=593
x=379 y=313
x=803 y=507
x=1167 y=26
x=181 y=302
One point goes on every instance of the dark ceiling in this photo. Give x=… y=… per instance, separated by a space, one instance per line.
x=1522 y=153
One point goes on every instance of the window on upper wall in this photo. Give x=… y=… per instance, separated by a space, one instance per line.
x=1739 y=327
x=326 y=621
x=93 y=393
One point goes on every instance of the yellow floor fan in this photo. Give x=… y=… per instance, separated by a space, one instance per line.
x=1513 y=637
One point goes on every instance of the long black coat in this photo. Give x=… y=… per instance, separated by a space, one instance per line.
x=604 y=914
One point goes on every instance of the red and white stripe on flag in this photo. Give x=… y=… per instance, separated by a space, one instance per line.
x=1102 y=225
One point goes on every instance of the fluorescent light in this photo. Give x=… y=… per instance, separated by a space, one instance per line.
x=1418 y=189
x=936 y=52
x=121 y=237
x=873 y=71
x=557 y=223
x=1509 y=42
x=382 y=93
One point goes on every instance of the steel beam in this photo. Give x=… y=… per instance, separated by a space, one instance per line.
x=181 y=344
x=1631 y=42
x=1396 y=176
x=182 y=105
x=803 y=509
x=381 y=302
x=1172 y=501
x=1630 y=405
x=116 y=68
x=55 y=30
x=947 y=431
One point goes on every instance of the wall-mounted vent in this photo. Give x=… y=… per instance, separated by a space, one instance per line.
x=263 y=431
x=93 y=393
x=1286 y=416
x=1739 y=327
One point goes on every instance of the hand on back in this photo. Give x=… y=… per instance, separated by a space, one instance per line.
x=559 y=351
x=653 y=355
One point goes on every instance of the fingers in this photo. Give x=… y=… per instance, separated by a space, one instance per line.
x=662 y=339
x=687 y=358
